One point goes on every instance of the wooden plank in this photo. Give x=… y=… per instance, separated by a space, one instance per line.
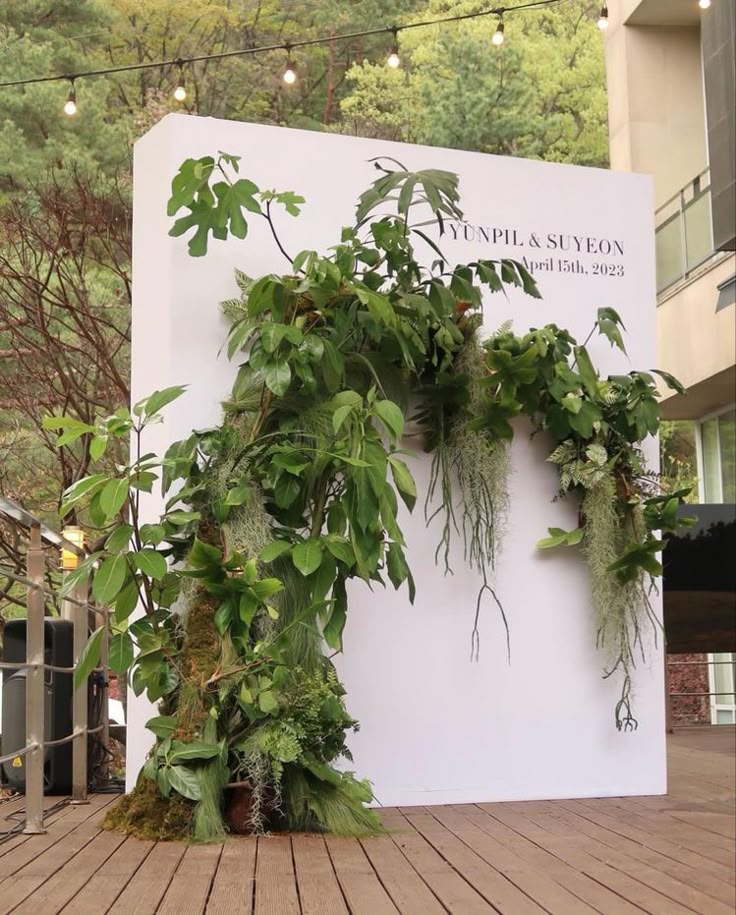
x=319 y=889
x=492 y=885
x=102 y=889
x=663 y=822
x=275 y=879
x=56 y=891
x=146 y=889
x=33 y=850
x=49 y=818
x=629 y=888
x=569 y=824
x=409 y=893
x=665 y=883
x=662 y=819
x=722 y=824
x=234 y=883
x=546 y=859
x=190 y=886
x=550 y=895
x=362 y=888
x=653 y=840
x=447 y=885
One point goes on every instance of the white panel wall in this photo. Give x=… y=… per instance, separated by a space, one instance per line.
x=435 y=727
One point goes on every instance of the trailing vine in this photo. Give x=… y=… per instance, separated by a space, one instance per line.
x=596 y=426
x=271 y=513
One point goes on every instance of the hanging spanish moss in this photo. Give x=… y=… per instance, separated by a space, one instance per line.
x=470 y=472
x=623 y=611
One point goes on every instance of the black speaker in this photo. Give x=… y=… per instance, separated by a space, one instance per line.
x=58 y=690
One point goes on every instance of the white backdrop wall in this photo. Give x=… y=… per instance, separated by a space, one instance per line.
x=435 y=727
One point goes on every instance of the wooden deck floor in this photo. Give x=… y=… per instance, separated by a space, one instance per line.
x=661 y=855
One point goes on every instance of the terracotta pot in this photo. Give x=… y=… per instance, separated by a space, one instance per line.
x=239 y=807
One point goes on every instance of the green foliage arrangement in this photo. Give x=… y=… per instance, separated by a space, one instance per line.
x=270 y=514
x=597 y=426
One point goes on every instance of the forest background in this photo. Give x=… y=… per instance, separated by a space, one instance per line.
x=65 y=182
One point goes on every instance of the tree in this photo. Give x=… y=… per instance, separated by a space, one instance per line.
x=541 y=94
x=64 y=328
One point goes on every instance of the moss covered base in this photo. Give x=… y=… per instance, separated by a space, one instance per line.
x=145 y=814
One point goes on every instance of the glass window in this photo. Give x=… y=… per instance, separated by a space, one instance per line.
x=727 y=436
x=711 y=469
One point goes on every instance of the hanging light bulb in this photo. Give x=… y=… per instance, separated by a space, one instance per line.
x=498 y=35
x=289 y=74
x=393 y=60
x=180 y=93
x=704 y=4
x=603 y=18
x=70 y=106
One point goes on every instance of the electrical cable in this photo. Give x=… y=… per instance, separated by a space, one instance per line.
x=282 y=46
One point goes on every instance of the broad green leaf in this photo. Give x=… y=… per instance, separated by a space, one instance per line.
x=153 y=533
x=323 y=579
x=163 y=781
x=119 y=538
x=162 y=725
x=180 y=518
x=109 y=579
x=671 y=381
x=339 y=417
x=113 y=496
x=239 y=495
x=392 y=417
x=84 y=487
x=97 y=447
x=559 y=537
x=340 y=549
x=277 y=375
x=307 y=556
x=185 y=782
x=89 y=658
x=610 y=330
x=572 y=403
x=158 y=400
x=181 y=751
x=120 y=655
x=266 y=587
x=80 y=575
x=272 y=335
x=126 y=601
x=587 y=371
x=151 y=563
x=334 y=626
x=404 y=481
x=333 y=366
x=274 y=550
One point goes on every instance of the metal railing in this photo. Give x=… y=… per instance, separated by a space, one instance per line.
x=78 y=609
x=684 y=232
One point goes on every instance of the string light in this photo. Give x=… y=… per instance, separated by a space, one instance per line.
x=180 y=93
x=603 y=19
x=70 y=105
x=393 y=60
x=704 y=4
x=289 y=74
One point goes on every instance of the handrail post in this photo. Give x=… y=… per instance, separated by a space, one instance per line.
x=35 y=657
x=80 y=616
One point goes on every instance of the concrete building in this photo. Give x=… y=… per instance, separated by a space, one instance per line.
x=672 y=114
